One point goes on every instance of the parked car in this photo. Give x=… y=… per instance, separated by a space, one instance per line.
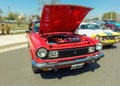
x=10 y=21
x=105 y=35
x=112 y=24
x=55 y=45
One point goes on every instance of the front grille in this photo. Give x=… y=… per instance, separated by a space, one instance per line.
x=109 y=37
x=73 y=52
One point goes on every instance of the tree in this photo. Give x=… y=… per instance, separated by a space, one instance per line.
x=96 y=18
x=37 y=17
x=1 y=12
x=13 y=16
x=22 y=18
x=118 y=18
x=109 y=15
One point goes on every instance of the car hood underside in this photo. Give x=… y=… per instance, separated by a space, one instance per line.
x=62 y=18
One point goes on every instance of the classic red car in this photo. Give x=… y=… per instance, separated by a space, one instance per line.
x=53 y=43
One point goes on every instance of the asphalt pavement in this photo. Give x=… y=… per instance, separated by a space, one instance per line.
x=15 y=70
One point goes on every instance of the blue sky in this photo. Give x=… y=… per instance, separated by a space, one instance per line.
x=30 y=7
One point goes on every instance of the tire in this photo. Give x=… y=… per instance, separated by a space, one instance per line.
x=35 y=70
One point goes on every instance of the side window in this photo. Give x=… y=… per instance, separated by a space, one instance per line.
x=36 y=26
x=83 y=26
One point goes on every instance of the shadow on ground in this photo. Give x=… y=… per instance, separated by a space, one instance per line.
x=109 y=47
x=67 y=72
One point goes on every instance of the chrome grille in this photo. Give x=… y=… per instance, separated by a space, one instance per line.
x=73 y=52
x=109 y=37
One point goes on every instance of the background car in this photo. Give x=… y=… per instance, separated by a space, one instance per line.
x=112 y=24
x=105 y=35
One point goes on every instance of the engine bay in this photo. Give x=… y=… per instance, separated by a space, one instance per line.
x=63 y=38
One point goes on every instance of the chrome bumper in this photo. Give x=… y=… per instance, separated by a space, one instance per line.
x=55 y=65
x=110 y=42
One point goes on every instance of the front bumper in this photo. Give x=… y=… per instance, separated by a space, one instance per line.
x=56 y=65
x=109 y=42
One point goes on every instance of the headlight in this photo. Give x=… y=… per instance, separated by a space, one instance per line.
x=99 y=46
x=41 y=52
x=97 y=37
x=53 y=54
x=91 y=49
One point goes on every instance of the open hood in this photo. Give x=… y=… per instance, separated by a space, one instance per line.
x=62 y=18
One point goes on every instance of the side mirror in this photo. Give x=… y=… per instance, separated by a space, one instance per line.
x=27 y=31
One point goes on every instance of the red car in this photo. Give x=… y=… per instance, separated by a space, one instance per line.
x=53 y=43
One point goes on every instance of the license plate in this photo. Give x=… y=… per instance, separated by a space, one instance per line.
x=76 y=66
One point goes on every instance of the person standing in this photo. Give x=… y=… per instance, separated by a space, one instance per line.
x=8 y=28
x=3 y=28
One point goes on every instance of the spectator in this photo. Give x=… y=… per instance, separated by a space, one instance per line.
x=8 y=28
x=3 y=29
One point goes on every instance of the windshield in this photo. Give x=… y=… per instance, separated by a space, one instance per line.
x=105 y=28
x=89 y=26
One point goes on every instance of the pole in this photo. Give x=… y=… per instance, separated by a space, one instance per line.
x=9 y=9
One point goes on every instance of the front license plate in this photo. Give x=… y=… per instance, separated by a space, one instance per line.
x=76 y=66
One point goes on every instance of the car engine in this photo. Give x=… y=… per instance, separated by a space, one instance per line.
x=63 y=38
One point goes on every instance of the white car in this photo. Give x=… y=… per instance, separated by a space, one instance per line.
x=105 y=35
